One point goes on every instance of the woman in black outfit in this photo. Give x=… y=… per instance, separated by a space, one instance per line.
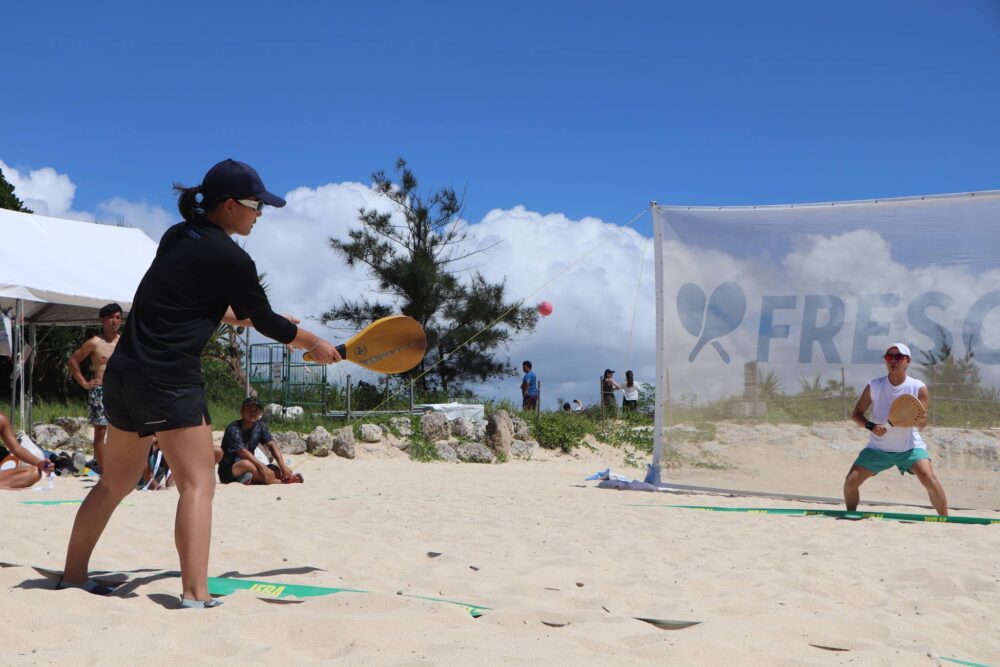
x=153 y=383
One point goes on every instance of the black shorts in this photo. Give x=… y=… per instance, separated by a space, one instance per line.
x=226 y=471
x=140 y=404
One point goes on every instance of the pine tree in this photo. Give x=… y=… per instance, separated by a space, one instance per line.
x=414 y=267
x=7 y=198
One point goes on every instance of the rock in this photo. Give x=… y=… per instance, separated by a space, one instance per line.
x=474 y=452
x=479 y=431
x=272 y=411
x=343 y=442
x=290 y=442
x=523 y=449
x=319 y=442
x=403 y=426
x=71 y=424
x=79 y=440
x=294 y=412
x=499 y=432
x=521 y=430
x=434 y=426
x=371 y=433
x=49 y=436
x=445 y=451
x=463 y=428
x=275 y=411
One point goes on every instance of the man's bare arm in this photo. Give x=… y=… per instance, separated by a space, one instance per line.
x=74 y=363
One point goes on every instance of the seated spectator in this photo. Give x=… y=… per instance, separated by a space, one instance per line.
x=28 y=468
x=567 y=407
x=156 y=474
x=577 y=405
x=239 y=464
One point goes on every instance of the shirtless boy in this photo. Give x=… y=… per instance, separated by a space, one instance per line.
x=99 y=349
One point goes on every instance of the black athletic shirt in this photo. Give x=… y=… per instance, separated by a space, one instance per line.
x=198 y=272
x=236 y=438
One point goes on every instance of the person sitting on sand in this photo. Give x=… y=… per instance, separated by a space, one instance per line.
x=890 y=446
x=241 y=439
x=29 y=468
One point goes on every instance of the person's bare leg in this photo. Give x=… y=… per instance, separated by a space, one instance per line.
x=19 y=478
x=124 y=460
x=243 y=466
x=100 y=439
x=935 y=492
x=192 y=465
x=852 y=486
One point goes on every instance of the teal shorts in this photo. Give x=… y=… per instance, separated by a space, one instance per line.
x=877 y=460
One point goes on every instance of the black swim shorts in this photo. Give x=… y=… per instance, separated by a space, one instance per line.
x=140 y=404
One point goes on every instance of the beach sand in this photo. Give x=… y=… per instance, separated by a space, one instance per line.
x=564 y=568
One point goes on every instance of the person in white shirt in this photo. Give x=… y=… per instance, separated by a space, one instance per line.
x=630 y=391
x=890 y=446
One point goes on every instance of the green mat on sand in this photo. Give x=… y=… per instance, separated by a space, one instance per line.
x=60 y=502
x=840 y=514
x=279 y=591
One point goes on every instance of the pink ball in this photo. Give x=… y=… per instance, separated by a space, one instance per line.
x=545 y=309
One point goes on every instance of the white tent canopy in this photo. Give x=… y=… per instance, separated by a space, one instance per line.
x=55 y=271
x=65 y=270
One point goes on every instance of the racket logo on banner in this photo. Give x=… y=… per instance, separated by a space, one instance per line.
x=712 y=318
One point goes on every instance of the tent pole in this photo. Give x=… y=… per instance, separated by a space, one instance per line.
x=33 y=328
x=19 y=360
x=13 y=362
x=653 y=470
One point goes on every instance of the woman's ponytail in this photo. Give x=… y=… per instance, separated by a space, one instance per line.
x=187 y=202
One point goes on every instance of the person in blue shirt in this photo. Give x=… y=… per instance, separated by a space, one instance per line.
x=240 y=441
x=529 y=388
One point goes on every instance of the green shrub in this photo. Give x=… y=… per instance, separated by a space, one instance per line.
x=561 y=430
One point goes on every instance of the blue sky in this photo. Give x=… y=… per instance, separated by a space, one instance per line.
x=561 y=118
x=583 y=108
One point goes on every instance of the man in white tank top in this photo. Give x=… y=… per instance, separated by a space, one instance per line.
x=890 y=446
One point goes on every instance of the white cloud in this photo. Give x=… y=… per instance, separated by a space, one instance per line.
x=153 y=220
x=44 y=190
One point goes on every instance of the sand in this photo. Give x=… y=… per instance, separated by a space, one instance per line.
x=565 y=569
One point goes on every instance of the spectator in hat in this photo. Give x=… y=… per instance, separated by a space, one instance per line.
x=608 y=389
x=239 y=446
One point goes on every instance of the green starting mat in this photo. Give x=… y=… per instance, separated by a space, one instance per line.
x=279 y=591
x=839 y=514
x=60 y=502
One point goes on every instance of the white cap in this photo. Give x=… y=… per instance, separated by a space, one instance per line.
x=902 y=347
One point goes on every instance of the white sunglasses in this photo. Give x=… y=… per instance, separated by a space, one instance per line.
x=250 y=203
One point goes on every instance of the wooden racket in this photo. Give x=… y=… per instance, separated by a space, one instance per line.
x=905 y=411
x=393 y=344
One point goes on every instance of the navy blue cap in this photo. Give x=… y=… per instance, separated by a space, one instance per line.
x=231 y=178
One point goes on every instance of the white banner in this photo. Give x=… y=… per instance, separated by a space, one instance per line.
x=825 y=289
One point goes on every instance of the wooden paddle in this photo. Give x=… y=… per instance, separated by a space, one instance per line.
x=905 y=411
x=393 y=344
